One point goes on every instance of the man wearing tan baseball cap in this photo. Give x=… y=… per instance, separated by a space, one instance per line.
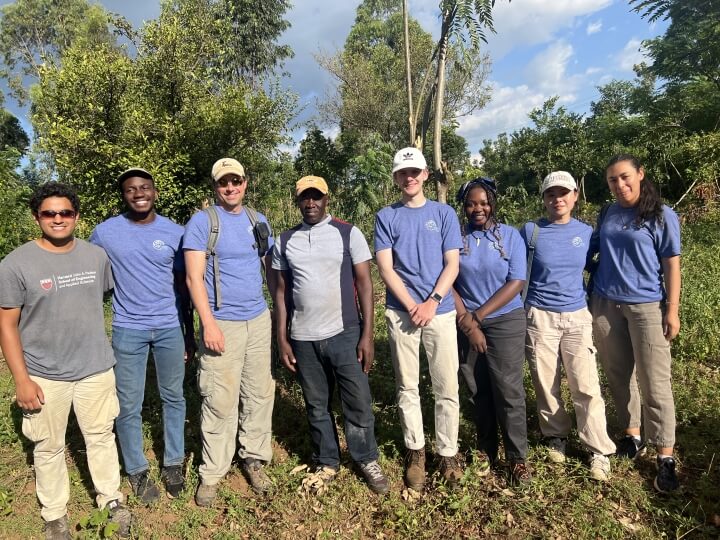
x=235 y=333
x=327 y=340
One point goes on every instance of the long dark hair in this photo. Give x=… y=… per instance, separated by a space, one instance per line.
x=650 y=204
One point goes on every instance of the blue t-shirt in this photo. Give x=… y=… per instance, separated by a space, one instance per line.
x=556 y=278
x=143 y=258
x=418 y=237
x=487 y=263
x=630 y=270
x=240 y=270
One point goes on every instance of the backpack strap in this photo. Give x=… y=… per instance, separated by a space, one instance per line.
x=213 y=235
x=261 y=231
x=530 y=256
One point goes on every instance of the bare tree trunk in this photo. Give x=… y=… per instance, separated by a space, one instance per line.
x=406 y=32
x=441 y=177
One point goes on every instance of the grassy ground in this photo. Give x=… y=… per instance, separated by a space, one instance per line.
x=562 y=502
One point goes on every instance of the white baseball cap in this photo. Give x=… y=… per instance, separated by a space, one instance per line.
x=409 y=158
x=558 y=178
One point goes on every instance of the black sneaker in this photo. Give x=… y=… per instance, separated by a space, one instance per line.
x=630 y=448
x=143 y=487
x=174 y=480
x=120 y=515
x=666 y=480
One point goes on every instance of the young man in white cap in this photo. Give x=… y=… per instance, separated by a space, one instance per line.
x=417 y=247
x=235 y=335
x=321 y=264
x=151 y=309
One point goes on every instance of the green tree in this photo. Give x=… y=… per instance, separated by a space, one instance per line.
x=169 y=108
x=12 y=135
x=35 y=33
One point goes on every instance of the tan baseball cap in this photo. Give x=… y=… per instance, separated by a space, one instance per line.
x=226 y=166
x=558 y=178
x=314 y=182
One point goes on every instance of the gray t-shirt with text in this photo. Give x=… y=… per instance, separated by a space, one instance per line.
x=62 y=326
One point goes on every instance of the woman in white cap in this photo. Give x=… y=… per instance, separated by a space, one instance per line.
x=492 y=320
x=635 y=304
x=559 y=327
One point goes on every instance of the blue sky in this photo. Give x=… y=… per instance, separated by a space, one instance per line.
x=542 y=48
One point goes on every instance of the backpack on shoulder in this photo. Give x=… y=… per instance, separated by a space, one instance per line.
x=261 y=232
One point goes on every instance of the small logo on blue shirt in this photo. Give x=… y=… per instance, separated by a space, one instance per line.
x=158 y=244
x=430 y=225
x=577 y=242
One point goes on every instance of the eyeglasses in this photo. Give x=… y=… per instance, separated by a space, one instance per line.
x=50 y=214
x=235 y=181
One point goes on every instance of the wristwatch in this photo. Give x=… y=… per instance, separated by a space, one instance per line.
x=435 y=296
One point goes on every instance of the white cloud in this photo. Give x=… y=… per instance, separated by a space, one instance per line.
x=593 y=28
x=631 y=54
x=548 y=70
x=531 y=22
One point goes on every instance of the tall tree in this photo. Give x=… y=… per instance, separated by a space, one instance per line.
x=35 y=33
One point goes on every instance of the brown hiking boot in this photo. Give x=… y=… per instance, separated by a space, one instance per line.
x=415 y=469
x=451 y=470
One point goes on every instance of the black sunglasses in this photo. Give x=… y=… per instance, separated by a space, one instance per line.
x=50 y=214
x=223 y=182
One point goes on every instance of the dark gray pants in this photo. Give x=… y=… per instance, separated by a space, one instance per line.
x=495 y=381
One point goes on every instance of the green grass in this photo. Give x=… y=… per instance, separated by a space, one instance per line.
x=562 y=502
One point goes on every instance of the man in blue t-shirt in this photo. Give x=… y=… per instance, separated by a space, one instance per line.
x=151 y=309
x=417 y=247
x=235 y=336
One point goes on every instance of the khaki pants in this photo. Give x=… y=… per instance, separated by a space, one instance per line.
x=634 y=352
x=567 y=337
x=440 y=341
x=238 y=393
x=96 y=405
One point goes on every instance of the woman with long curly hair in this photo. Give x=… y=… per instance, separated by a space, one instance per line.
x=491 y=318
x=635 y=304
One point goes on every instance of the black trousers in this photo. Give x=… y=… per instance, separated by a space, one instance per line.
x=495 y=381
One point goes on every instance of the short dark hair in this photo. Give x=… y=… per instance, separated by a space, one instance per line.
x=53 y=189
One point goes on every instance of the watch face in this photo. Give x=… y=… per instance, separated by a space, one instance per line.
x=437 y=297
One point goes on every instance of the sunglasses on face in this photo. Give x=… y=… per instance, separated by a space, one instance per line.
x=223 y=182
x=50 y=214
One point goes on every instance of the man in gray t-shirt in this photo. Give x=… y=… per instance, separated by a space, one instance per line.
x=52 y=333
x=321 y=264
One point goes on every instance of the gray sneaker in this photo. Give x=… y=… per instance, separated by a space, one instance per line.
x=121 y=515
x=57 y=529
x=599 y=467
x=556 y=449
x=376 y=479
x=205 y=494
x=259 y=481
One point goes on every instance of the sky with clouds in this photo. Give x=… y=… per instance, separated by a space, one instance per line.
x=541 y=48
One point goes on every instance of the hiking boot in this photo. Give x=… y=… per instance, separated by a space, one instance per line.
x=205 y=494
x=451 y=470
x=174 y=480
x=259 y=481
x=482 y=463
x=57 y=529
x=318 y=480
x=415 y=469
x=599 y=467
x=376 y=479
x=121 y=515
x=666 y=480
x=520 y=474
x=630 y=447
x=143 y=487
x=556 y=449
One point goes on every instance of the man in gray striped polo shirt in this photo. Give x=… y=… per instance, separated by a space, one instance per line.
x=323 y=269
